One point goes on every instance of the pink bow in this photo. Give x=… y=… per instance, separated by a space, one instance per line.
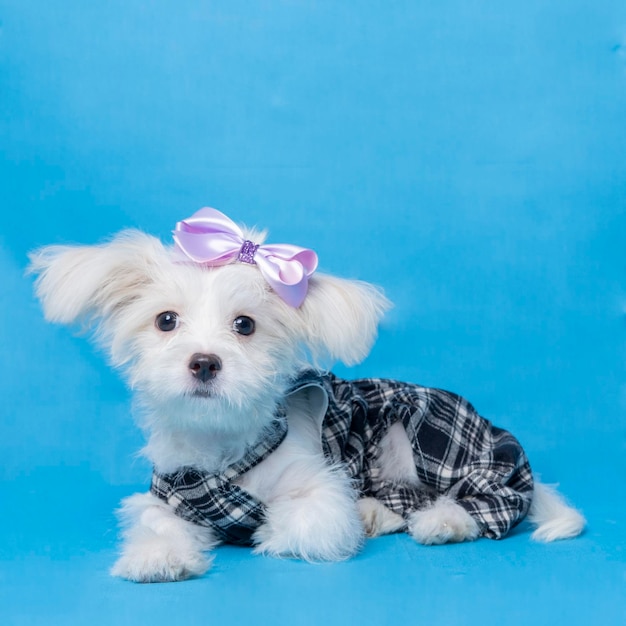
x=211 y=238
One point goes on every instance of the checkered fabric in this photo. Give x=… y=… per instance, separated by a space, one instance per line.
x=456 y=453
x=212 y=499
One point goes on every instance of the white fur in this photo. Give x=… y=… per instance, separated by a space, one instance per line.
x=553 y=517
x=117 y=289
x=378 y=519
x=312 y=512
x=444 y=522
x=396 y=456
x=158 y=545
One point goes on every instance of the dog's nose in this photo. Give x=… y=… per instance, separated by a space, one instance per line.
x=204 y=367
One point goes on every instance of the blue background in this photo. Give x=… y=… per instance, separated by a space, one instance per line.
x=468 y=156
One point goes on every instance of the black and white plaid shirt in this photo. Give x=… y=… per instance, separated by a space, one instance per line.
x=456 y=452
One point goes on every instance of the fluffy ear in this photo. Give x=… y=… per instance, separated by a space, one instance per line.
x=341 y=317
x=88 y=282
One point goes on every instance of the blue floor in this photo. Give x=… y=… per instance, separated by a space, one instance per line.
x=470 y=157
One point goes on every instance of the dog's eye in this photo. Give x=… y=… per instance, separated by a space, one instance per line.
x=166 y=321
x=243 y=325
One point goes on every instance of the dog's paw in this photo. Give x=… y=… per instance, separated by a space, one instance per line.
x=156 y=559
x=378 y=519
x=306 y=529
x=444 y=522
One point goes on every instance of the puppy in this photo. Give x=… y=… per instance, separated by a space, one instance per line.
x=252 y=445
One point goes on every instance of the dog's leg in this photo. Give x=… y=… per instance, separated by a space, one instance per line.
x=159 y=546
x=312 y=512
x=316 y=519
x=443 y=521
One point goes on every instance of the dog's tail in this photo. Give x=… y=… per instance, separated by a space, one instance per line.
x=554 y=518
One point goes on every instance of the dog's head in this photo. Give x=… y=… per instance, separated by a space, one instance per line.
x=202 y=343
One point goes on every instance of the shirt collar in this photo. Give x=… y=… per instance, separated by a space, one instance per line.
x=318 y=385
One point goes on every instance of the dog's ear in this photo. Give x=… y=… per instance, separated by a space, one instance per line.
x=84 y=283
x=340 y=317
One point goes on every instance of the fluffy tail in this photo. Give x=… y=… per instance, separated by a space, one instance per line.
x=554 y=518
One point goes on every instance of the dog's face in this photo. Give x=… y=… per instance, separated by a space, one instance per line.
x=207 y=346
x=211 y=342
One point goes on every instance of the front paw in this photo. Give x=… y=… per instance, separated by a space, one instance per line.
x=158 y=559
x=305 y=529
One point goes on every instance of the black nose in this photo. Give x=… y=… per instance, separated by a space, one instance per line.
x=204 y=367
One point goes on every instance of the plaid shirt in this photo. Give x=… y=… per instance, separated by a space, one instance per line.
x=456 y=453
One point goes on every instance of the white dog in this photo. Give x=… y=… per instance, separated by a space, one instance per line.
x=248 y=443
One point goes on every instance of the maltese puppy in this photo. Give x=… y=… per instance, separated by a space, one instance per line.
x=253 y=446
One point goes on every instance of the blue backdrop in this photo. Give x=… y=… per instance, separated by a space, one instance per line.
x=469 y=156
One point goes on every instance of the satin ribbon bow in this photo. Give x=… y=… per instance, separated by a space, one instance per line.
x=210 y=238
